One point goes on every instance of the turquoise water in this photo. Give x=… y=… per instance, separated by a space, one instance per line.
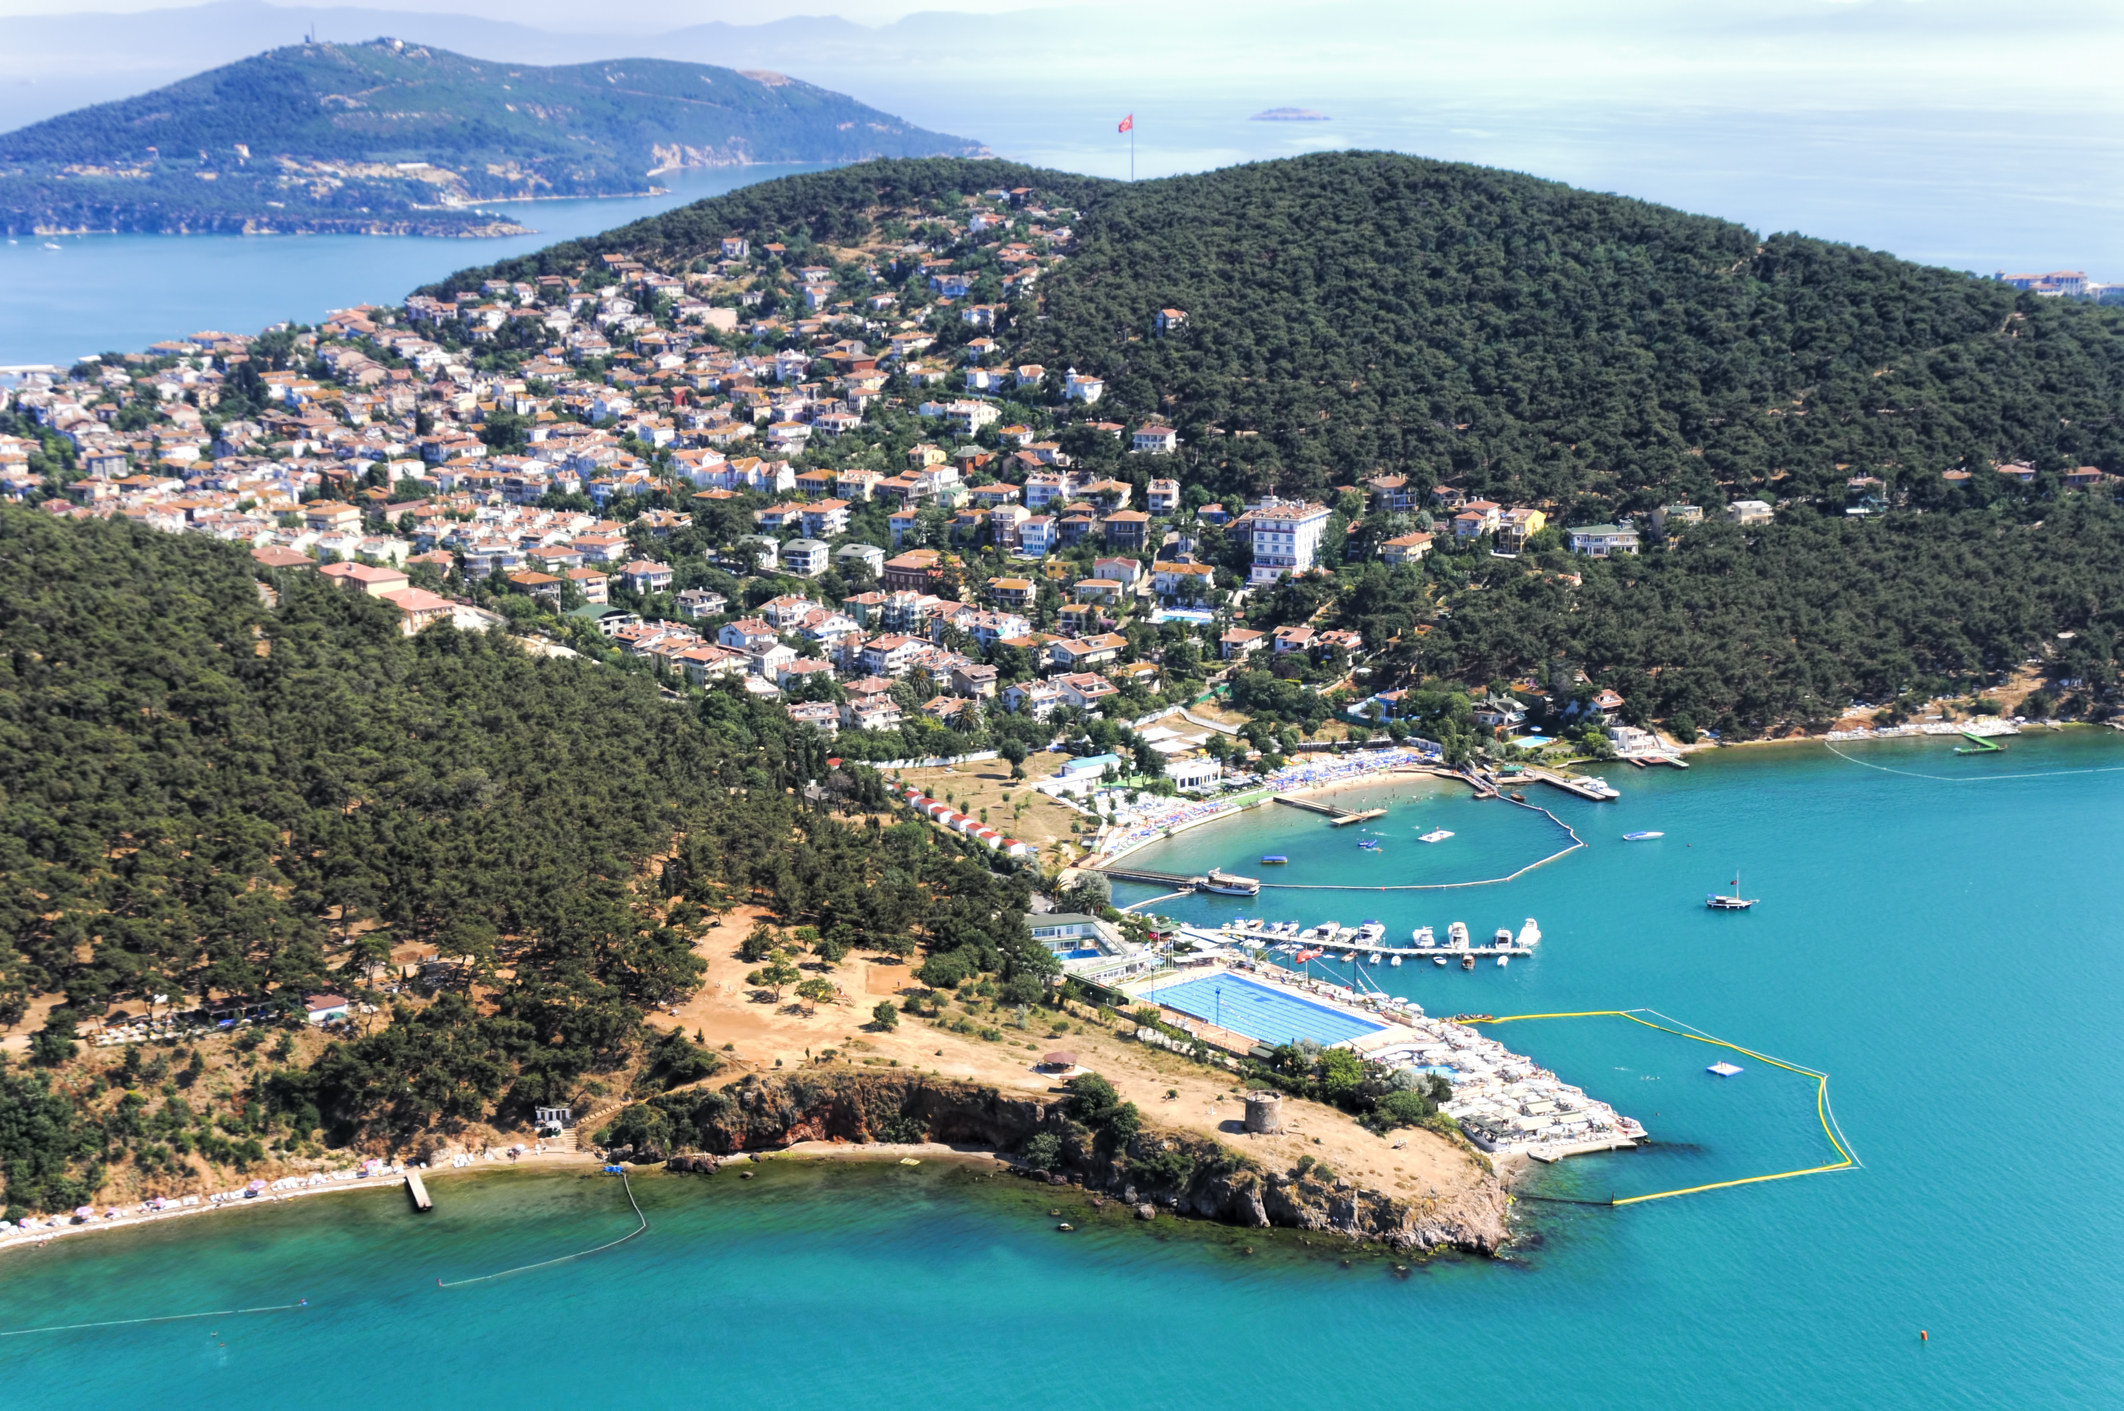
x=1946 y=950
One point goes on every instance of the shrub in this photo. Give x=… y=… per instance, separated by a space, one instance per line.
x=1043 y=1151
x=886 y=1015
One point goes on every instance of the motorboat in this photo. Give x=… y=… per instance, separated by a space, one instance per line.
x=1370 y=931
x=1644 y=837
x=1438 y=960
x=1227 y=884
x=1503 y=938
x=1503 y=961
x=1349 y=957
x=1467 y=962
x=1457 y=935
x=1529 y=935
x=1275 y=859
x=1369 y=844
x=1424 y=937
x=1375 y=958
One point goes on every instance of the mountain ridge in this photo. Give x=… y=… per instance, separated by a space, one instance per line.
x=388 y=136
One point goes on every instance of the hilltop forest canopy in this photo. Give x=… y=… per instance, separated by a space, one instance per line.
x=204 y=795
x=388 y=134
x=1353 y=314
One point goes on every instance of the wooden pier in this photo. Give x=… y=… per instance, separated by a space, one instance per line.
x=1336 y=817
x=418 y=1193
x=1175 y=880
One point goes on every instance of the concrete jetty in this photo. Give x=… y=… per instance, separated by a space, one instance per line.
x=1337 y=817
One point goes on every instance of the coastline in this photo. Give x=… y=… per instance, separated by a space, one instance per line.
x=40 y=1236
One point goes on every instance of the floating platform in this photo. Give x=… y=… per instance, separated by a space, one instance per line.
x=1725 y=1070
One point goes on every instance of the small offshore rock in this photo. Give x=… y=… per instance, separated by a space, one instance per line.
x=1146 y=1211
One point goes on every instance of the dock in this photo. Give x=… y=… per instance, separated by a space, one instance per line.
x=418 y=1193
x=1176 y=880
x=1598 y=790
x=1337 y=817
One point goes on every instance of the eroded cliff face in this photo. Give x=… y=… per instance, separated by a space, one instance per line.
x=1180 y=1171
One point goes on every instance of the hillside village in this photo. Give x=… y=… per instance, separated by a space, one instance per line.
x=813 y=472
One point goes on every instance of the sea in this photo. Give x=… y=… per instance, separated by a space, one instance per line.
x=1936 y=933
x=1982 y=189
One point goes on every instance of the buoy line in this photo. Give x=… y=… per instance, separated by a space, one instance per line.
x=579 y=1254
x=164 y=1318
x=1830 y=1127
x=1576 y=843
x=1972 y=778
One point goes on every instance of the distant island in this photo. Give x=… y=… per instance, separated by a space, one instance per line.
x=393 y=138
x=1288 y=115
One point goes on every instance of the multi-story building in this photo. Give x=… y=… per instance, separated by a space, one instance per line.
x=1286 y=539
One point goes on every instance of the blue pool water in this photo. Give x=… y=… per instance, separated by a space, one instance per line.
x=1259 y=1011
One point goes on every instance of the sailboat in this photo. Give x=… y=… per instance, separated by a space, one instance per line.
x=1718 y=901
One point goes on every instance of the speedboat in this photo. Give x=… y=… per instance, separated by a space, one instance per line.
x=1370 y=931
x=1642 y=837
x=1424 y=937
x=1375 y=958
x=1503 y=938
x=1438 y=960
x=1457 y=935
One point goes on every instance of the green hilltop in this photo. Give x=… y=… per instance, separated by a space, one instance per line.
x=392 y=137
x=1359 y=314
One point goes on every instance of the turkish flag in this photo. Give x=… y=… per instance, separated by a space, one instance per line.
x=1127 y=124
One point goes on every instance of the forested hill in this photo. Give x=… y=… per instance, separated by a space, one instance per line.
x=388 y=134
x=203 y=797
x=1357 y=312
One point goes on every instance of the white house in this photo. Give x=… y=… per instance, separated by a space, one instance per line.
x=807 y=558
x=1156 y=440
x=1601 y=540
x=1286 y=540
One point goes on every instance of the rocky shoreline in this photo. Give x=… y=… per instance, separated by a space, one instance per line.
x=1181 y=1172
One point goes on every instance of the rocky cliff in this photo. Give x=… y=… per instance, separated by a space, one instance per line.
x=1185 y=1172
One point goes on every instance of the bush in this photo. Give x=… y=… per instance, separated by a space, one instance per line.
x=1406 y=1108
x=1043 y=1151
x=886 y=1015
x=1167 y=1168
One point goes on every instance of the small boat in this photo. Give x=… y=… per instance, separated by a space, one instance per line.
x=1642 y=837
x=1369 y=844
x=1503 y=961
x=1275 y=860
x=1467 y=962
x=1305 y=955
x=1436 y=835
x=1393 y=960
x=50 y=246
x=1349 y=957
x=1438 y=960
x=1725 y=1070
x=1375 y=958
x=1516 y=797
x=1718 y=901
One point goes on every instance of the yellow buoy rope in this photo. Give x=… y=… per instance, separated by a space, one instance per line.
x=1830 y=1129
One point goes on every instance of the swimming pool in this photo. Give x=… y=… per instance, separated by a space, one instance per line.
x=1259 y=1011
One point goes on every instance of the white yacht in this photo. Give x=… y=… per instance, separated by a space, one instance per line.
x=1529 y=934
x=1424 y=937
x=1503 y=939
x=1457 y=935
x=1370 y=932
